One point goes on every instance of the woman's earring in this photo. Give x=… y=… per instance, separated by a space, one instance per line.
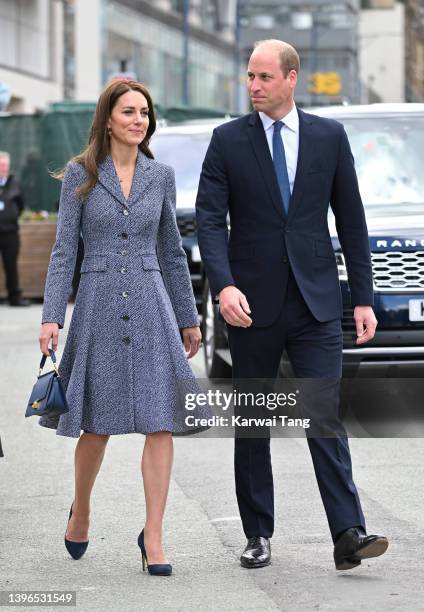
x=109 y=131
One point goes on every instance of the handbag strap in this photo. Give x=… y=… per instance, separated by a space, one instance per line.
x=44 y=359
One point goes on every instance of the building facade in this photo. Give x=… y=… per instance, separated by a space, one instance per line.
x=382 y=51
x=195 y=52
x=183 y=50
x=31 y=53
x=414 y=50
x=324 y=33
x=182 y=62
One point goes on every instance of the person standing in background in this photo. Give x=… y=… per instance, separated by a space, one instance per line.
x=11 y=207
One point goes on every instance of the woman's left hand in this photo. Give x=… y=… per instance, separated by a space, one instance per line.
x=192 y=338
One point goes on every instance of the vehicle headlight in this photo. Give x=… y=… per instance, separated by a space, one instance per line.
x=341 y=266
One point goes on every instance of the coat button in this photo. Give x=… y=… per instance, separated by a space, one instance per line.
x=125 y=317
x=123 y=270
x=125 y=294
x=124 y=252
x=284 y=260
x=126 y=213
x=126 y=340
x=124 y=235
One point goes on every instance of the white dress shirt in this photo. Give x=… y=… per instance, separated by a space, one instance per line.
x=290 y=136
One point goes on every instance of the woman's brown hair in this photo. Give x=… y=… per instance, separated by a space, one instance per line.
x=98 y=146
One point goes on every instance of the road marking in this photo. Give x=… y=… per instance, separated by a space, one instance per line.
x=225 y=518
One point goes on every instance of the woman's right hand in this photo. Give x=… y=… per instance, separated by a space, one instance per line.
x=49 y=331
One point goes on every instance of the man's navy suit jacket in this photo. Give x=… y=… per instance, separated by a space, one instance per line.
x=238 y=178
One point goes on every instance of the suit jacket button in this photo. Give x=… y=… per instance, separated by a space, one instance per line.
x=123 y=270
x=125 y=211
x=124 y=294
x=284 y=260
x=125 y=317
x=124 y=252
x=124 y=235
x=126 y=340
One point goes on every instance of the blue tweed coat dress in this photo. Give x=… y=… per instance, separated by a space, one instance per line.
x=123 y=366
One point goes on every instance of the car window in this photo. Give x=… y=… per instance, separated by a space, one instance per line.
x=185 y=153
x=388 y=151
x=388 y=154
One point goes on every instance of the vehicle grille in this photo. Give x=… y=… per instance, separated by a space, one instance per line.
x=187 y=226
x=394 y=270
x=348 y=322
x=348 y=327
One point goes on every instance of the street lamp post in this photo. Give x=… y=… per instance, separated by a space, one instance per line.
x=314 y=51
x=186 y=33
x=237 y=58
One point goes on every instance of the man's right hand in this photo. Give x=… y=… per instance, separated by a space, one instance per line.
x=233 y=306
x=48 y=331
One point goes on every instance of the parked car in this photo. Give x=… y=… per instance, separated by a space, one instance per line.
x=387 y=142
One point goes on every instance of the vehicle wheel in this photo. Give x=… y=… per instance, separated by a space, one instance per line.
x=213 y=338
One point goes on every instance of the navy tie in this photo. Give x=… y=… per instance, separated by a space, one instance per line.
x=280 y=165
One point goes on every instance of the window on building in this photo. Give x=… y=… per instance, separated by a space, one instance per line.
x=121 y=55
x=172 y=81
x=25 y=40
x=154 y=51
x=177 y=5
x=341 y=61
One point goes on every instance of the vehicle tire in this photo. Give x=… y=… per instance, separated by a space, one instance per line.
x=214 y=338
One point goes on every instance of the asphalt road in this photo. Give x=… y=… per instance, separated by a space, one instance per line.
x=203 y=533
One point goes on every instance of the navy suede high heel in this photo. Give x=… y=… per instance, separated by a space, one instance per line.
x=157 y=569
x=75 y=549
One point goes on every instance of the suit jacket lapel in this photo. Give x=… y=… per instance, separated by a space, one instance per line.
x=259 y=142
x=306 y=144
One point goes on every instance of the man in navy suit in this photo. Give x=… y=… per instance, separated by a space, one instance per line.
x=275 y=171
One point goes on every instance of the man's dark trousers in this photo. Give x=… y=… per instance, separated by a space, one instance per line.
x=9 y=249
x=315 y=351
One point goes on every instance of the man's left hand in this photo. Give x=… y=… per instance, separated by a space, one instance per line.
x=192 y=338
x=365 y=323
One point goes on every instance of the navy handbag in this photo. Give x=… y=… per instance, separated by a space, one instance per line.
x=48 y=395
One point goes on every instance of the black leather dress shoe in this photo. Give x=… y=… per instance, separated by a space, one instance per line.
x=354 y=544
x=257 y=553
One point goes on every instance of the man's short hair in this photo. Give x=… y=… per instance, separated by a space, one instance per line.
x=5 y=155
x=289 y=57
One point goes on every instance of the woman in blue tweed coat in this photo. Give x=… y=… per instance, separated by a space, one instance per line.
x=124 y=367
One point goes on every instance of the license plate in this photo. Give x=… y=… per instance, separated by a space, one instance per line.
x=416 y=310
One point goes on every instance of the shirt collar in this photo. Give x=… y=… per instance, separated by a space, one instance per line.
x=291 y=120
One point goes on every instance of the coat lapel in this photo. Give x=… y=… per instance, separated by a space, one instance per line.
x=259 y=142
x=106 y=175
x=306 y=149
x=142 y=177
